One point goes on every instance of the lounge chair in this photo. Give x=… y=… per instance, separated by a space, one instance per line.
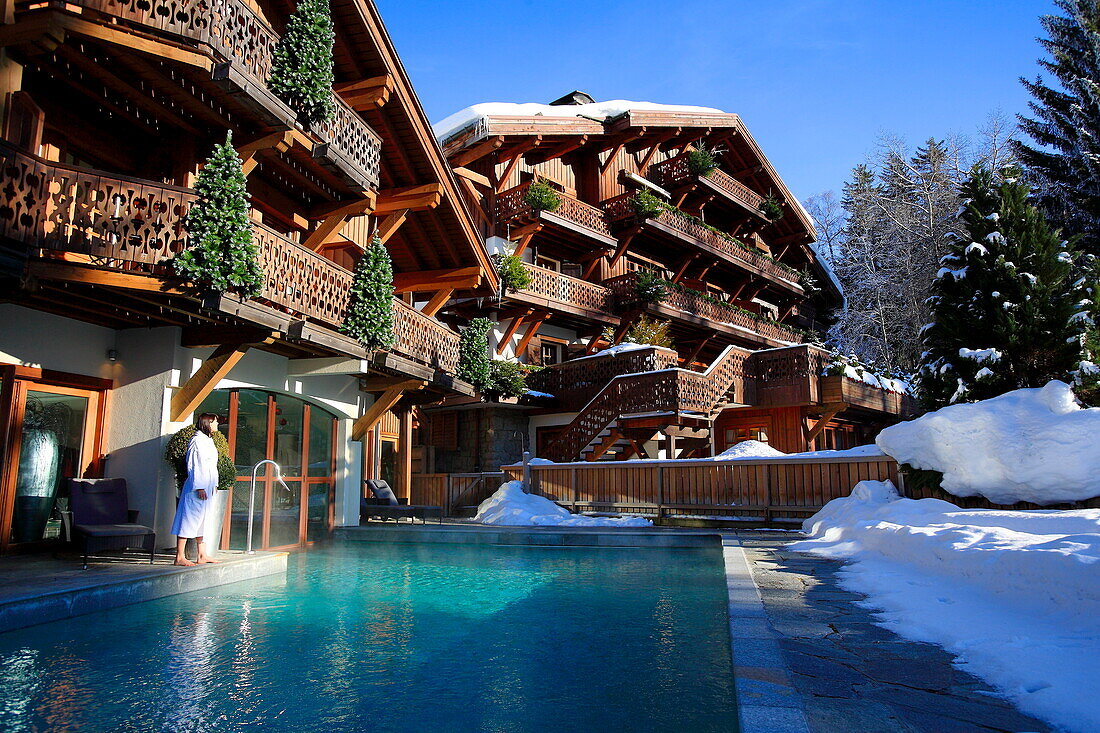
x=385 y=505
x=102 y=519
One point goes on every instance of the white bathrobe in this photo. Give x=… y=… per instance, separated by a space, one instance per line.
x=202 y=473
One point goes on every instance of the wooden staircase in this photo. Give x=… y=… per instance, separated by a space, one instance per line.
x=672 y=396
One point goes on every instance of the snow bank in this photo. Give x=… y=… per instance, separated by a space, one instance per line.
x=623 y=348
x=748 y=449
x=1014 y=595
x=1034 y=445
x=511 y=507
x=598 y=110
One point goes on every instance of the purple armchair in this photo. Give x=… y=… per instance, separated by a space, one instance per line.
x=103 y=520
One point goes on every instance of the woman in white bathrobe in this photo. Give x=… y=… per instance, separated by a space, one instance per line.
x=198 y=490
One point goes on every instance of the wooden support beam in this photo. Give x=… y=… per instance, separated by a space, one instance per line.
x=682 y=269
x=821 y=423
x=382 y=405
x=657 y=143
x=639 y=449
x=543 y=155
x=536 y=322
x=511 y=330
x=591 y=267
x=414 y=198
x=593 y=344
x=624 y=243
x=695 y=351
x=516 y=155
x=333 y=218
x=605 y=445
x=617 y=147
x=367 y=94
x=430 y=281
x=525 y=239
x=438 y=301
x=465 y=157
x=280 y=142
x=473 y=177
x=391 y=224
x=216 y=367
x=624 y=326
x=107 y=278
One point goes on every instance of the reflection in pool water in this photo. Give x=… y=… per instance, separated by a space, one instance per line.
x=398 y=638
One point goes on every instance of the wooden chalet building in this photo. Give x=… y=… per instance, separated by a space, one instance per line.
x=108 y=111
x=744 y=291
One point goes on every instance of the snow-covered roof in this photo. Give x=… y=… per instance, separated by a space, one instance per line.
x=598 y=110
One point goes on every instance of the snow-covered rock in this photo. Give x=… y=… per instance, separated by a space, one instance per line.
x=598 y=110
x=1014 y=595
x=1036 y=445
x=510 y=506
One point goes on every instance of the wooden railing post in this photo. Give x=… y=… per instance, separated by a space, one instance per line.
x=573 y=485
x=660 y=490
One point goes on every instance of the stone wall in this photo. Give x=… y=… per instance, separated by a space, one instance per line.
x=489 y=436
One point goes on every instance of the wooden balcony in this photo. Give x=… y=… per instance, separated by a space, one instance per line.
x=692 y=308
x=240 y=45
x=554 y=291
x=675 y=173
x=130 y=225
x=573 y=221
x=865 y=396
x=675 y=226
x=573 y=383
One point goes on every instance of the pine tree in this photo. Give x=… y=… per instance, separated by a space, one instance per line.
x=370 y=306
x=1007 y=309
x=301 y=70
x=221 y=253
x=1065 y=160
x=473 y=354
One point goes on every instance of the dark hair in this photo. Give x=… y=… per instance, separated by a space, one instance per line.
x=206 y=423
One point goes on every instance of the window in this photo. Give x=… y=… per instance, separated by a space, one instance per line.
x=548 y=263
x=738 y=435
x=552 y=352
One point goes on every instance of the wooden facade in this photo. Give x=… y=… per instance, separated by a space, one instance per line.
x=743 y=292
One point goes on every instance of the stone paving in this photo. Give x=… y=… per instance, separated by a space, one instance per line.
x=852 y=675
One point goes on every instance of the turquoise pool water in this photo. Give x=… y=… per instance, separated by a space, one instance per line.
x=398 y=638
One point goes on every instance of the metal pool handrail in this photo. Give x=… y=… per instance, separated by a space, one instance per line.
x=252 y=499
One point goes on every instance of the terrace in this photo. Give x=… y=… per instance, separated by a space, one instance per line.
x=573 y=222
x=675 y=173
x=555 y=291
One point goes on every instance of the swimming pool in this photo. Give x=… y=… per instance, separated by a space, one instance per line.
x=398 y=638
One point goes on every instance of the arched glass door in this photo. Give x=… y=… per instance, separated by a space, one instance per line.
x=301 y=438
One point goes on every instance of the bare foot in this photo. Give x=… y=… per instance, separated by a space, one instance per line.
x=183 y=562
x=206 y=560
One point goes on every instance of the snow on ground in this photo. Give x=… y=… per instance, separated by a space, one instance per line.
x=1014 y=595
x=1034 y=445
x=511 y=507
x=623 y=348
x=750 y=449
x=598 y=110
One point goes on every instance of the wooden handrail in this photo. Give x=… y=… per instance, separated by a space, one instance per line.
x=568 y=290
x=676 y=171
x=512 y=204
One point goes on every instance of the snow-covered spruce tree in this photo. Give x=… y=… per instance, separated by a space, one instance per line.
x=370 y=306
x=473 y=354
x=301 y=70
x=1007 y=311
x=220 y=251
x=1065 y=159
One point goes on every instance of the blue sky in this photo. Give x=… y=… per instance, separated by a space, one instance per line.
x=815 y=80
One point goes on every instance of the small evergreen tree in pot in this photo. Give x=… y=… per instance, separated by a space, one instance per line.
x=650 y=332
x=506 y=379
x=649 y=288
x=541 y=196
x=369 y=317
x=221 y=253
x=701 y=160
x=473 y=354
x=301 y=68
x=513 y=275
x=1008 y=311
x=772 y=208
x=647 y=205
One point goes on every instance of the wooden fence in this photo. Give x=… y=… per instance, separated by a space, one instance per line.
x=764 y=489
x=453 y=491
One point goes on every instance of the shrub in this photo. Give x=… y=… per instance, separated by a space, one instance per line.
x=370 y=306
x=513 y=275
x=772 y=209
x=176 y=456
x=541 y=196
x=651 y=332
x=506 y=379
x=650 y=288
x=301 y=68
x=647 y=205
x=473 y=353
x=701 y=161
x=221 y=253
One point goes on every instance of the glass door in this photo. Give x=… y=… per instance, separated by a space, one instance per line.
x=52 y=435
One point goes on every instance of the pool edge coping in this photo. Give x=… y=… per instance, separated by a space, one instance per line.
x=767 y=701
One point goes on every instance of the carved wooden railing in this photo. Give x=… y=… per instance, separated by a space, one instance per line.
x=789 y=376
x=236 y=34
x=130 y=224
x=667 y=391
x=621 y=208
x=676 y=172
x=567 y=290
x=694 y=304
x=511 y=205
x=575 y=382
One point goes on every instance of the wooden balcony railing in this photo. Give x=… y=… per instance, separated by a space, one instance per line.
x=693 y=305
x=511 y=205
x=577 y=381
x=621 y=208
x=236 y=34
x=568 y=291
x=135 y=225
x=789 y=376
x=676 y=172
x=666 y=391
